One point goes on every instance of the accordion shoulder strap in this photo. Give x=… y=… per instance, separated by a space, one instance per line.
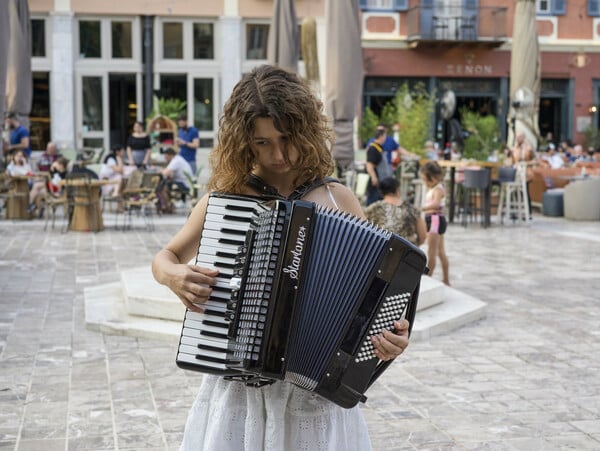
x=259 y=185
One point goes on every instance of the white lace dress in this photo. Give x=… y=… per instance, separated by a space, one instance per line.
x=228 y=416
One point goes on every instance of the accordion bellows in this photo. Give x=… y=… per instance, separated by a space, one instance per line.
x=301 y=291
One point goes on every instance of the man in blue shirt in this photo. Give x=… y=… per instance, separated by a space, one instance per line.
x=392 y=150
x=19 y=136
x=188 y=141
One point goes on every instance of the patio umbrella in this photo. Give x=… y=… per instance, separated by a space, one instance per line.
x=19 y=85
x=4 y=38
x=284 y=42
x=344 y=75
x=525 y=72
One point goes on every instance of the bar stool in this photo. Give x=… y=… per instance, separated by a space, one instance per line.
x=476 y=185
x=513 y=202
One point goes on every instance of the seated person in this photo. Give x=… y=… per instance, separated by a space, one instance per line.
x=393 y=214
x=49 y=156
x=18 y=164
x=112 y=169
x=175 y=171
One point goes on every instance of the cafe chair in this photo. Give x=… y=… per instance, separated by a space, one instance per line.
x=141 y=201
x=513 y=202
x=476 y=187
x=51 y=204
x=4 y=189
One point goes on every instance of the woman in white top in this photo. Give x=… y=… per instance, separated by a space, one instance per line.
x=272 y=131
x=19 y=165
x=112 y=169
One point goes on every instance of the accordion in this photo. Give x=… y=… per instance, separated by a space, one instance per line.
x=300 y=292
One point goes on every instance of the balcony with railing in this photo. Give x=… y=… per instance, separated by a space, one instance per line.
x=453 y=25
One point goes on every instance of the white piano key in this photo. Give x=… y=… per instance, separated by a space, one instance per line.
x=246 y=203
x=215 y=222
x=215 y=343
x=190 y=323
x=187 y=349
x=204 y=316
x=189 y=358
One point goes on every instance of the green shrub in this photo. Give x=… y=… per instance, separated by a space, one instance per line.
x=483 y=134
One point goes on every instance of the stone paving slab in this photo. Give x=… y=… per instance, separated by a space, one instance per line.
x=524 y=377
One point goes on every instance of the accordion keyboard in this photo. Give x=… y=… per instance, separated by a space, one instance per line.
x=204 y=343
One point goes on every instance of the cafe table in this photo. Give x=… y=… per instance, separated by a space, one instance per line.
x=18 y=199
x=87 y=211
x=453 y=165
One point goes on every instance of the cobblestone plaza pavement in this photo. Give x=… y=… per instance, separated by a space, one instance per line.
x=526 y=377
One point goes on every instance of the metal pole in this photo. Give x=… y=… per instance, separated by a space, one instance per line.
x=149 y=65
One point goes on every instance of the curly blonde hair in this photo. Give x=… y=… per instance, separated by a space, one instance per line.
x=270 y=92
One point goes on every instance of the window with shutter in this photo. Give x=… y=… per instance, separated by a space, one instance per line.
x=593 y=7
x=384 y=5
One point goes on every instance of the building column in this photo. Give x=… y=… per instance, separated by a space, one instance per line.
x=62 y=82
x=231 y=55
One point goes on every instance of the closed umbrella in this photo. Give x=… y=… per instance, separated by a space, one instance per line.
x=4 y=42
x=284 y=41
x=19 y=87
x=525 y=72
x=344 y=75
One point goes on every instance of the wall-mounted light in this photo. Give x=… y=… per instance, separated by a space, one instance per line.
x=593 y=109
x=580 y=59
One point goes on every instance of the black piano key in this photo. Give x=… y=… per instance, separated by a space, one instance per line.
x=215 y=324
x=213 y=334
x=229 y=241
x=210 y=348
x=214 y=313
x=212 y=359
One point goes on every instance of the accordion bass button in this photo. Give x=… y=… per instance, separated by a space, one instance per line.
x=235 y=283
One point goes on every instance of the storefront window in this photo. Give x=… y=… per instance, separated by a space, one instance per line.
x=39 y=129
x=203 y=41
x=38 y=38
x=256 y=41
x=92 y=103
x=121 y=39
x=203 y=103
x=89 y=39
x=172 y=40
x=173 y=87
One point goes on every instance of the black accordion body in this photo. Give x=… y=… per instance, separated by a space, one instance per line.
x=301 y=291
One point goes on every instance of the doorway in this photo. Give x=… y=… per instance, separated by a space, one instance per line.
x=122 y=107
x=550 y=117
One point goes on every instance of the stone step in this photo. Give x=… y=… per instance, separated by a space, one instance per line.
x=105 y=311
x=144 y=296
x=457 y=310
x=139 y=306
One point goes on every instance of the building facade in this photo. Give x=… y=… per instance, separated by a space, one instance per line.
x=97 y=65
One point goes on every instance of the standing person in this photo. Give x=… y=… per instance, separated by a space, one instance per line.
x=523 y=153
x=393 y=151
x=273 y=133
x=19 y=137
x=432 y=175
x=188 y=141
x=393 y=214
x=377 y=166
x=138 y=146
